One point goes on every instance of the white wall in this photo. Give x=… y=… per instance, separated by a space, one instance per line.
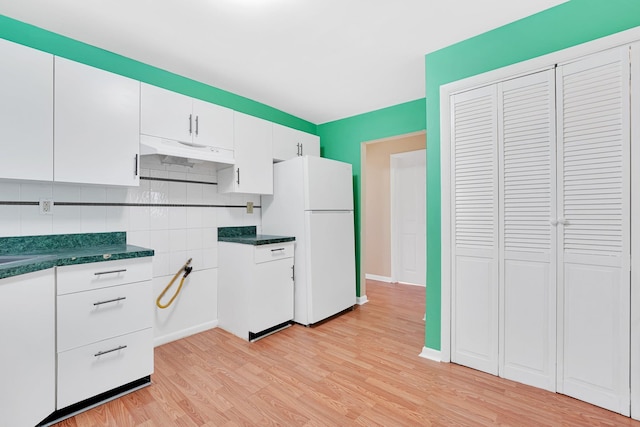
x=176 y=233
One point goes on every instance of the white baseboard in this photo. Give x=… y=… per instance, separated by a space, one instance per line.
x=378 y=278
x=412 y=284
x=362 y=300
x=431 y=354
x=164 y=339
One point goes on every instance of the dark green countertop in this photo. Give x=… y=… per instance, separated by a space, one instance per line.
x=42 y=252
x=247 y=236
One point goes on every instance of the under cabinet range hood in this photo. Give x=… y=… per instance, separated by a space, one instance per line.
x=182 y=153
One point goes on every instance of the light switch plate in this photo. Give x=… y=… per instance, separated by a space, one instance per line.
x=249 y=207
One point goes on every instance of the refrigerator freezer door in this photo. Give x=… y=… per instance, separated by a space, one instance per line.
x=329 y=184
x=330 y=259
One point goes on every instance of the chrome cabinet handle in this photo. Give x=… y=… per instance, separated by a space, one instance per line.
x=110 y=301
x=301 y=149
x=276 y=250
x=238 y=171
x=110 y=272
x=100 y=353
x=196 y=125
x=135 y=166
x=190 y=123
x=293 y=272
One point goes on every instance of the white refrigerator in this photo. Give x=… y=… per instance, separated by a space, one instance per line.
x=313 y=201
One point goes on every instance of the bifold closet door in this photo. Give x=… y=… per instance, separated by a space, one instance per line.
x=474 y=181
x=593 y=224
x=527 y=161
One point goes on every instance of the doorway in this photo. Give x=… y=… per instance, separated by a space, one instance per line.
x=376 y=216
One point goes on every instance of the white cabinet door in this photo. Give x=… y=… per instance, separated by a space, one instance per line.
x=594 y=229
x=271 y=295
x=289 y=143
x=213 y=125
x=253 y=170
x=165 y=114
x=310 y=144
x=26 y=113
x=526 y=134
x=173 y=116
x=474 y=190
x=97 y=125
x=27 y=359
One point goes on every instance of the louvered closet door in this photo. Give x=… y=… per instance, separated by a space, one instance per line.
x=526 y=130
x=474 y=326
x=594 y=229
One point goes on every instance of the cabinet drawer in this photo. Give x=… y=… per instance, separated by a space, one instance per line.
x=273 y=252
x=93 y=369
x=96 y=275
x=87 y=317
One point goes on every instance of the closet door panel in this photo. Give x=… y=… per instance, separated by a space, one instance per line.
x=594 y=229
x=475 y=230
x=635 y=232
x=526 y=127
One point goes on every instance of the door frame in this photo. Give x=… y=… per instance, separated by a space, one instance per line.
x=394 y=208
x=511 y=71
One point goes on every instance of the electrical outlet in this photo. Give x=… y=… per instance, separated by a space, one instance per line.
x=249 y=207
x=46 y=207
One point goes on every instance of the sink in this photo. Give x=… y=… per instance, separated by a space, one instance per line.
x=6 y=259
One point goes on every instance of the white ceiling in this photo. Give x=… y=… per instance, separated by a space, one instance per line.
x=320 y=60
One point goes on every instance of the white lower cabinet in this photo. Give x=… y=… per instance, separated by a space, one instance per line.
x=255 y=289
x=27 y=339
x=104 y=327
x=102 y=366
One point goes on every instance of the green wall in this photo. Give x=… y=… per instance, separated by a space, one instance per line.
x=56 y=44
x=566 y=25
x=341 y=140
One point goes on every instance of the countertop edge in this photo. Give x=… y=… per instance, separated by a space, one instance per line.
x=50 y=260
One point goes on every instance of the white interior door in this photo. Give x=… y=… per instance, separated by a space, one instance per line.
x=474 y=198
x=409 y=217
x=526 y=130
x=594 y=229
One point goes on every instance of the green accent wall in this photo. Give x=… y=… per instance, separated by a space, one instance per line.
x=566 y=25
x=38 y=38
x=341 y=140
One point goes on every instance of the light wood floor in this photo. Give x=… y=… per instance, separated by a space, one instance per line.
x=361 y=368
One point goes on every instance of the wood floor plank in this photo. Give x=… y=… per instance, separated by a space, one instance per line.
x=359 y=368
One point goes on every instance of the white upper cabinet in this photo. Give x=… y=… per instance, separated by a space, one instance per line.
x=253 y=169
x=26 y=113
x=165 y=114
x=170 y=115
x=289 y=143
x=97 y=125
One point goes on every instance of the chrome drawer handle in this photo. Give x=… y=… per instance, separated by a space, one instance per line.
x=276 y=250
x=100 y=353
x=110 y=272
x=109 y=301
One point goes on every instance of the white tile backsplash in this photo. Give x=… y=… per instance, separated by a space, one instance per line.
x=175 y=233
x=10 y=221
x=93 y=219
x=32 y=223
x=10 y=191
x=177 y=218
